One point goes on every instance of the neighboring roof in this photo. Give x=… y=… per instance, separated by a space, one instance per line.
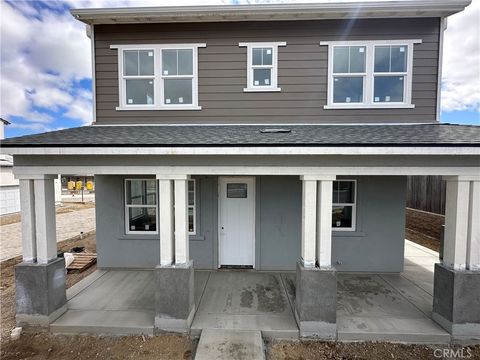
x=272 y=12
x=253 y=136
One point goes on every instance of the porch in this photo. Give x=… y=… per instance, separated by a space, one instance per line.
x=391 y=307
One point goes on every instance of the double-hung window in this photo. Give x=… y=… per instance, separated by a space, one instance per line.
x=141 y=206
x=262 y=66
x=370 y=74
x=158 y=77
x=344 y=205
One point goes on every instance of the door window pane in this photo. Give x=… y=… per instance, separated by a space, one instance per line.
x=342 y=217
x=178 y=91
x=139 y=91
x=236 y=190
x=138 y=62
x=388 y=88
x=262 y=77
x=142 y=219
x=348 y=89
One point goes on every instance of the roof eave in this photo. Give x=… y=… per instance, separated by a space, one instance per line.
x=271 y=12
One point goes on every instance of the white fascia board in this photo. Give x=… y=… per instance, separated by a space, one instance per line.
x=272 y=12
x=250 y=150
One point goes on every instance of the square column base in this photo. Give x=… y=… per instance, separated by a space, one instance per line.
x=40 y=292
x=174 y=298
x=316 y=302
x=456 y=302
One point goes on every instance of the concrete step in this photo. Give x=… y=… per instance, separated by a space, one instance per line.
x=230 y=344
x=104 y=322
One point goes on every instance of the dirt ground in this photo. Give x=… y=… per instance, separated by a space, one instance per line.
x=424 y=228
x=65 y=208
x=304 y=350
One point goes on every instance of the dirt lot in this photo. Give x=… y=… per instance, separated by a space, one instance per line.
x=303 y=350
x=65 y=208
x=424 y=228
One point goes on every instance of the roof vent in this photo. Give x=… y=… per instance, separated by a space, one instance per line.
x=275 y=131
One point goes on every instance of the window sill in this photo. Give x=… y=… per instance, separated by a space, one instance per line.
x=368 y=106
x=196 y=238
x=157 y=108
x=347 y=233
x=262 y=89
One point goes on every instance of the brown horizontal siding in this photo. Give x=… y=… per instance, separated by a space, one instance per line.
x=302 y=71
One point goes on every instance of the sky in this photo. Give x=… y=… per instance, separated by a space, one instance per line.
x=45 y=63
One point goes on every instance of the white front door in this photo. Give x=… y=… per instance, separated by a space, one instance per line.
x=236 y=223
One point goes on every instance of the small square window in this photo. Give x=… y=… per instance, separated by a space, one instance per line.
x=142 y=219
x=138 y=63
x=237 y=191
x=262 y=77
x=342 y=217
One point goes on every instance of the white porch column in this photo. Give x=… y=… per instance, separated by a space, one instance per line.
x=324 y=221
x=165 y=202
x=27 y=208
x=473 y=235
x=309 y=220
x=461 y=228
x=181 y=220
x=45 y=224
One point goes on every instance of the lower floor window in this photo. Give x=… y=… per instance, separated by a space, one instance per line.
x=344 y=205
x=141 y=206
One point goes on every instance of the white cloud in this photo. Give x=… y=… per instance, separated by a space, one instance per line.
x=461 y=61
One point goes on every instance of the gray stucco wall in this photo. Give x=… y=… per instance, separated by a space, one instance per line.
x=302 y=70
x=377 y=245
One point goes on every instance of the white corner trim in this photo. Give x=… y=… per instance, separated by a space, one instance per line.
x=93 y=59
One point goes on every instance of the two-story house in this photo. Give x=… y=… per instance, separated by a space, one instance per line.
x=265 y=137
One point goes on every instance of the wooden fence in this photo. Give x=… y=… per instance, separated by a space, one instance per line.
x=426 y=193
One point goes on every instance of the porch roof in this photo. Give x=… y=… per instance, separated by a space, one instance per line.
x=405 y=135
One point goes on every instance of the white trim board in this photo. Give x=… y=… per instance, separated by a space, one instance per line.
x=27 y=172
x=248 y=150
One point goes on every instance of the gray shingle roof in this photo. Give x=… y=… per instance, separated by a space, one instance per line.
x=252 y=135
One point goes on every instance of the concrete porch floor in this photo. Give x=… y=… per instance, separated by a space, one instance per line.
x=391 y=307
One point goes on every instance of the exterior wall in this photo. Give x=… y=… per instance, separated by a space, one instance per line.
x=302 y=70
x=377 y=245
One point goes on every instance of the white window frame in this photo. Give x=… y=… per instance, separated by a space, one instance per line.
x=158 y=81
x=368 y=89
x=250 y=67
x=194 y=207
x=128 y=206
x=353 y=205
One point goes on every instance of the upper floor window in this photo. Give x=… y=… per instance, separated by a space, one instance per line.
x=158 y=77
x=370 y=74
x=262 y=66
